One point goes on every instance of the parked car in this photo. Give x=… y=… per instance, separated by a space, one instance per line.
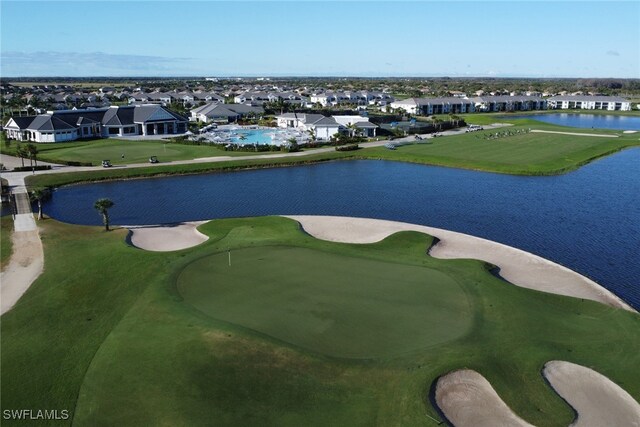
x=153 y=159
x=106 y=163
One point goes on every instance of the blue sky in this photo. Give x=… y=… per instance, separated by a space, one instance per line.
x=357 y=38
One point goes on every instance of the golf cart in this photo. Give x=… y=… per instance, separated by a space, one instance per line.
x=153 y=159
x=106 y=163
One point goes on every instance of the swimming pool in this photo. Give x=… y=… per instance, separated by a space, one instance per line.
x=253 y=136
x=250 y=136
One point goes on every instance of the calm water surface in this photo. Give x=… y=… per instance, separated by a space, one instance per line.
x=588 y=220
x=596 y=121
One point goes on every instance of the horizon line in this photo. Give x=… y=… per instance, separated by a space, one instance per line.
x=299 y=76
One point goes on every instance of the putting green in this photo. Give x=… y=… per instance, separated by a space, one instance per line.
x=335 y=305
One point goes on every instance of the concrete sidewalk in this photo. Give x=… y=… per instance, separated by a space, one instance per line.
x=27 y=259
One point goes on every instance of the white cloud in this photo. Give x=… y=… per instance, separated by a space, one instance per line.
x=52 y=63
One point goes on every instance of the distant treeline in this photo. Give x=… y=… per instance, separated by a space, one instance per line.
x=401 y=87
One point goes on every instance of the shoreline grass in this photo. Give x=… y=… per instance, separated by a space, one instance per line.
x=111 y=337
x=6 y=246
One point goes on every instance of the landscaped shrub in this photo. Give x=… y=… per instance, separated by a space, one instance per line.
x=35 y=168
x=350 y=147
x=74 y=163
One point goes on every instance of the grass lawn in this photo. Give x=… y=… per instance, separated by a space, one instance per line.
x=297 y=332
x=527 y=154
x=58 y=179
x=523 y=154
x=135 y=151
x=344 y=311
x=6 y=228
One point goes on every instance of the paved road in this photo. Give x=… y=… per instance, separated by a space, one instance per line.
x=575 y=133
x=11 y=162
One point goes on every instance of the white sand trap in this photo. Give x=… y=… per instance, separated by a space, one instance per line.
x=518 y=267
x=630 y=131
x=597 y=400
x=165 y=238
x=467 y=399
x=25 y=265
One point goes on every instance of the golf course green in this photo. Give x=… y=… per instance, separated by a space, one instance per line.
x=335 y=305
x=298 y=331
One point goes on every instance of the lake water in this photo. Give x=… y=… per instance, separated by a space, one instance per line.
x=588 y=220
x=596 y=121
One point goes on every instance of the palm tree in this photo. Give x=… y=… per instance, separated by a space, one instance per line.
x=102 y=206
x=38 y=195
x=20 y=152
x=352 y=129
x=32 y=151
x=437 y=123
x=293 y=145
x=312 y=134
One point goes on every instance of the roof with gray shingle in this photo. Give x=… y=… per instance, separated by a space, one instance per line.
x=215 y=109
x=85 y=121
x=311 y=118
x=325 y=122
x=47 y=122
x=365 y=125
x=220 y=110
x=22 y=122
x=114 y=116
x=153 y=113
x=588 y=98
x=507 y=98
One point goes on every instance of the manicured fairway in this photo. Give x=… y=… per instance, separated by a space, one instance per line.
x=525 y=153
x=120 y=336
x=335 y=305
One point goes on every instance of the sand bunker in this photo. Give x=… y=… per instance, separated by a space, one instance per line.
x=467 y=399
x=597 y=400
x=165 y=238
x=518 y=267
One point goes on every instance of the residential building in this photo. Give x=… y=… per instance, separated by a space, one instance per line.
x=588 y=102
x=259 y=98
x=358 y=123
x=224 y=113
x=69 y=125
x=508 y=103
x=325 y=127
x=454 y=105
x=428 y=106
x=348 y=97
